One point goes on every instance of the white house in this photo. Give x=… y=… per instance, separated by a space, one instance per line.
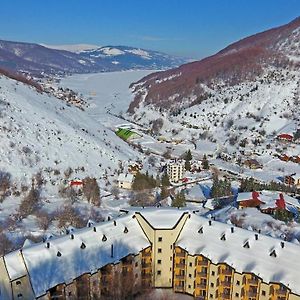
x=125 y=180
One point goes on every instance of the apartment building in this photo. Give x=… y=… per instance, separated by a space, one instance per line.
x=154 y=248
x=175 y=170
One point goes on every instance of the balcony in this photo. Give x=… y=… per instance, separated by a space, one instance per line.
x=202 y=263
x=281 y=293
x=146 y=265
x=225 y=296
x=251 y=294
x=127 y=262
x=147 y=276
x=201 y=286
x=180 y=277
x=252 y=281
x=180 y=265
x=226 y=283
x=180 y=254
x=226 y=271
x=146 y=254
x=179 y=288
x=202 y=274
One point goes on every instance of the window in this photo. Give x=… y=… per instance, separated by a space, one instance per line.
x=213 y=273
x=159 y=261
x=159 y=250
x=170 y=258
x=171 y=247
x=237 y=282
x=136 y=264
x=263 y=293
x=160 y=239
x=211 y=284
x=237 y=295
x=211 y=296
x=18 y=282
x=159 y=272
x=189 y=286
x=191 y=264
x=136 y=275
x=190 y=275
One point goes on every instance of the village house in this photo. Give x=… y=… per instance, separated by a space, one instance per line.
x=125 y=181
x=293 y=180
x=175 y=170
x=134 y=168
x=249 y=199
x=252 y=164
x=285 y=137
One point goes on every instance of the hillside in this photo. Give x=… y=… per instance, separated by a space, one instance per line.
x=39 y=60
x=245 y=95
x=242 y=62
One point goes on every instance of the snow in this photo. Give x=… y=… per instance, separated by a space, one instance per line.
x=111 y=51
x=46 y=269
x=284 y=268
x=126 y=177
x=76 y=48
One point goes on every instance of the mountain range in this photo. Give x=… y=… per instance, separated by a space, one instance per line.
x=37 y=60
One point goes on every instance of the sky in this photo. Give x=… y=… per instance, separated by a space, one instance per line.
x=190 y=28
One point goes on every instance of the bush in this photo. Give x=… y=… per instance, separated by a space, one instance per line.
x=179 y=200
x=69 y=216
x=143 y=182
x=30 y=203
x=5 y=244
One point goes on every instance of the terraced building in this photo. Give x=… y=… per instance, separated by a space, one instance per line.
x=154 y=248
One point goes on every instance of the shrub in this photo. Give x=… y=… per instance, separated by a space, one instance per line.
x=91 y=190
x=30 y=203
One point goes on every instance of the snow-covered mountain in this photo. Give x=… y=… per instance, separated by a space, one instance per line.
x=248 y=90
x=38 y=59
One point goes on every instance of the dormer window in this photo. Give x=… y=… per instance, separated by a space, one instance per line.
x=273 y=253
x=125 y=230
x=247 y=245
x=223 y=237
x=58 y=254
x=200 y=230
x=104 y=238
x=83 y=246
x=18 y=282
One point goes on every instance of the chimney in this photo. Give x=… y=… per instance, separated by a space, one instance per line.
x=232 y=229
x=48 y=245
x=209 y=222
x=72 y=236
x=125 y=230
x=115 y=223
x=200 y=230
x=104 y=238
x=83 y=246
x=108 y=218
x=95 y=229
x=256 y=236
x=282 y=244
x=112 y=251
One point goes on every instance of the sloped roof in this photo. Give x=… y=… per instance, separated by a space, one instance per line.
x=284 y=268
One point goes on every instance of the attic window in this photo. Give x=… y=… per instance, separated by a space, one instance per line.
x=58 y=254
x=247 y=245
x=273 y=253
x=104 y=238
x=18 y=282
x=223 y=237
x=200 y=230
x=125 y=230
x=83 y=246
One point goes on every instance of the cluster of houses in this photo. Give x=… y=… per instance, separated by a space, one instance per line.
x=125 y=180
x=294 y=158
x=268 y=201
x=293 y=180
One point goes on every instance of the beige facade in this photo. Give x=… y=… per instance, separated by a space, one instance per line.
x=161 y=264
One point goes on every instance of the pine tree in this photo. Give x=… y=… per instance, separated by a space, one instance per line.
x=205 y=163
x=179 y=200
x=188 y=157
x=165 y=180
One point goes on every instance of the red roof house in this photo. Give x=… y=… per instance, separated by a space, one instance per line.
x=285 y=137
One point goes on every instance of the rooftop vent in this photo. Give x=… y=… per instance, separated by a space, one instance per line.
x=282 y=244
x=256 y=236
x=104 y=238
x=247 y=245
x=83 y=246
x=95 y=229
x=115 y=223
x=209 y=222
x=125 y=230
x=48 y=245
x=273 y=253
x=58 y=254
x=223 y=237
x=72 y=236
x=200 y=230
x=108 y=218
x=232 y=229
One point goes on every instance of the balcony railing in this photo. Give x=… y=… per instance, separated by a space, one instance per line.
x=202 y=263
x=180 y=265
x=252 y=281
x=281 y=292
x=226 y=283
x=226 y=271
x=202 y=274
x=180 y=254
x=201 y=285
x=146 y=276
x=146 y=265
x=146 y=254
x=180 y=277
x=251 y=294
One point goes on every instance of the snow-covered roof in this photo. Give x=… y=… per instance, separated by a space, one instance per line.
x=163 y=217
x=46 y=269
x=244 y=196
x=126 y=177
x=256 y=259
